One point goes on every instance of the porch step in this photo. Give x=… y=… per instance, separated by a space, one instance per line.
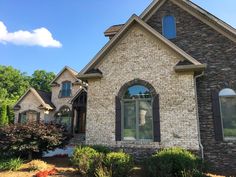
x=78 y=139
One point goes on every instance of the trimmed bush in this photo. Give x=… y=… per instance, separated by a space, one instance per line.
x=32 y=138
x=11 y=164
x=119 y=163
x=101 y=149
x=86 y=159
x=172 y=162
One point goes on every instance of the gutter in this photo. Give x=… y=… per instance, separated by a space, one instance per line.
x=198 y=120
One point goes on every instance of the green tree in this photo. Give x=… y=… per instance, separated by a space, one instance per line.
x=13 y=83
x=10 y=113
x=3 y=117
x=41 y=79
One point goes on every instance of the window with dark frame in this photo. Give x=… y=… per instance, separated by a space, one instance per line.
x=227 y=98
x=137 y=118
x=65 y=89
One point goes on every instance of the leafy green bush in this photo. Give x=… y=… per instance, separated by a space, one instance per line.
x=101 y=149
x=31 y=138
x=102 y=171
x=86 y=159
x=11 y=164
x=192 y=173
x=119 y=163
x=172 y=162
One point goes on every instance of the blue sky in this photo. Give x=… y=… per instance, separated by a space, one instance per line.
x=78 y=25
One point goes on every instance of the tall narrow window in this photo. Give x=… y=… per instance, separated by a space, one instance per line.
x=137 y=121
x=228 y=112
x=169 y=27
x=65 y=89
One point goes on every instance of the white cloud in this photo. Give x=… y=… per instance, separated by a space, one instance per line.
x=40 y=37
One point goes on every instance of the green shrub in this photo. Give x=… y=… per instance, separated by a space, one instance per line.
x=102 y=171
x=101 y=149
x=192 y=173
x=86 y=159
x=119 y=163
x=11 y=164
x=172 y=162
x=26 y=139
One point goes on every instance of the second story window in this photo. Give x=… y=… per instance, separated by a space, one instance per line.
x=169 y=26
x=65 y=89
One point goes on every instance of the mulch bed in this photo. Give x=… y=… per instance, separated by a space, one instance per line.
x=64 y=169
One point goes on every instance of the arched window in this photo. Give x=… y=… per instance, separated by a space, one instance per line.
x=169 y=27
x=137 y=117
x=228 y=112
x=64 y=116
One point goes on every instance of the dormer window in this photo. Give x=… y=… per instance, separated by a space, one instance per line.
x=169 y=27
x=65 y=89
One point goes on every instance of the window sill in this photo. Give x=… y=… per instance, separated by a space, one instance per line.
x=138 y=141
x=65 y=97
x=233 y=139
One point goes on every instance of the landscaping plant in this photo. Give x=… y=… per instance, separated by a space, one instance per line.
x=86 y=159
x=100 y=163
x=12 y=164
x=173 y=162
x=31 y=138
x=101 y=149
x=119 y=163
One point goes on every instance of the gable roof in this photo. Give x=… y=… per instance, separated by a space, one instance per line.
x=46 y=96
x=77 y=94
x=71 y=71
x=134 y=19
x=198 y=12
x=43 y=97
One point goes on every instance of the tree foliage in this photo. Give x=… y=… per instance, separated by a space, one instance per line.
x=13 y=83
x=41 y=79
x=3 y=115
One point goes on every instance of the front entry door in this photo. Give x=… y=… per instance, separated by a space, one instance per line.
x=81 y=121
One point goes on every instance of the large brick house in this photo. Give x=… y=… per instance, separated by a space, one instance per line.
x=165 y=78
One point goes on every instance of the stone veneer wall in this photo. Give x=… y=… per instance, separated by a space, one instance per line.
x=140 y=55
x=219 y=53
x=59 y=102
x=30 y=102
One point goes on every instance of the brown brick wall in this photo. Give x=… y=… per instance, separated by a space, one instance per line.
x=219 y=53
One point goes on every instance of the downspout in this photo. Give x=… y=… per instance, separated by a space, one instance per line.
x=198 y=120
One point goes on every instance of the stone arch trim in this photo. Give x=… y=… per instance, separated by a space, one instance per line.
x=155 y=109
x=136 y=82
